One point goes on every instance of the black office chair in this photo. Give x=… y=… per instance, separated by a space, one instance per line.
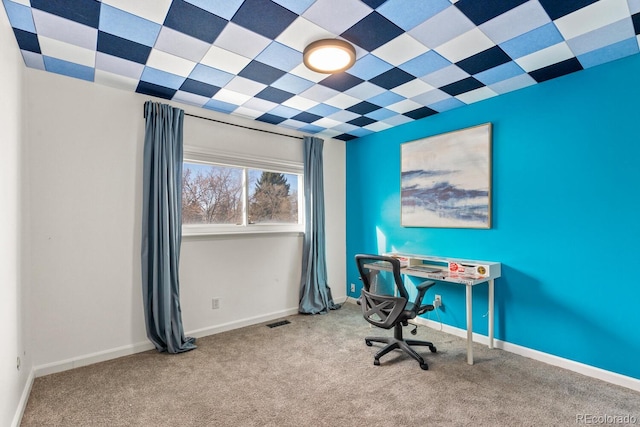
x=381 y=306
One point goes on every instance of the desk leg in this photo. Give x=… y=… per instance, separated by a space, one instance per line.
x=469 y=326
x=491 y=313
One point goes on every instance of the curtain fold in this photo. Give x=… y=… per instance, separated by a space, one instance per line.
x=315 y=294
x=161 y=227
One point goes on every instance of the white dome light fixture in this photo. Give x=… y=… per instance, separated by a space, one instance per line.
x=329 y=56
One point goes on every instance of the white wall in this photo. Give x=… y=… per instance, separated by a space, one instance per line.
x=84 y=165
x=14 y=383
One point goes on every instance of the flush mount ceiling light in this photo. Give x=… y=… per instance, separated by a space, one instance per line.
x=329 y=56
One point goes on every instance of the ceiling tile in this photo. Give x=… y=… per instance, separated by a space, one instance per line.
x=161 y=78
x=115 y=65
x=372 y=31
x=392 y=78
x=476 y=95
x=301 y=33
x=210 y=75
x=66 y=68
x=260 y=72
x=548 y=56
x=481 y=12
x=297 y=6
x=264 y=17
x=170 y=63
x=485 y=60
x=122 y=48
x=117 y=81
x=445 y=26
x=609 y=53
x=225 y=60
x=64 y=30
x=246 y=86
x=199 y=88
x=241 y=41
x=319 y=93
x=67 y=51
x=413 y=88
x=341 y=81
x=369 y=66
x=591 y=17
x=27 y=41
x=225 y=9
x=400 y=50
x=462 y=86
x=181 y=45
x=601 y=37
x=84 y=12
x=274 y=95
x=20 y=16
x=336 y=16
x=425 y=64
x=557 y=69
x=465 y=45
x=154 y=11
x=538 y=39
x=293 y=84
x=280 y=56
x=515 y=22
x=557 y=9
x=407 y=14
x=128 y=26
x=445 y=76
x=192 y=20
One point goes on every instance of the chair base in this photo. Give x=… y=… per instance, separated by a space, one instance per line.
x=404 y=345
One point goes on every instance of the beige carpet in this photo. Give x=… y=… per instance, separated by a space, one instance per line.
x=317 y=371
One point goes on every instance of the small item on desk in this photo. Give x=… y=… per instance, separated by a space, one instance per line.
x=425 y=268
x=404 y=261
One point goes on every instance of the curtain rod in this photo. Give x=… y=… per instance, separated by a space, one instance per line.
x=242 y=126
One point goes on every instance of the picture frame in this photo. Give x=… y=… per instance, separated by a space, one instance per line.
x=445 y=179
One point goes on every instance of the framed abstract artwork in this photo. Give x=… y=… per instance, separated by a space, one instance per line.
x=446 y=180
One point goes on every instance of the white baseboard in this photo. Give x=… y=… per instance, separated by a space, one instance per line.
x=581 y=368
x=114 y=353
x=24 y=398
x=199 y=333
x=89 y=359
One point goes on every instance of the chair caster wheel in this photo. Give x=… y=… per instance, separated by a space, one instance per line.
x=367 y=342
x=433 y=349
x=414 y=331
x=376 y=362
x=424 y=366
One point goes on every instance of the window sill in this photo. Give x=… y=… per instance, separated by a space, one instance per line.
x=240 y=231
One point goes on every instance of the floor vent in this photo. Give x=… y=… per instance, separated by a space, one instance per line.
x=280 y=323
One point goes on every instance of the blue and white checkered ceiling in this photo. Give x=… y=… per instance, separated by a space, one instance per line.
x=415 y=58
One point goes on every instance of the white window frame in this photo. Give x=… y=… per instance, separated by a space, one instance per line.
x=199 y=155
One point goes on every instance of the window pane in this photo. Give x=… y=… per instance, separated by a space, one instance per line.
x=211 y=194
x=273 y=197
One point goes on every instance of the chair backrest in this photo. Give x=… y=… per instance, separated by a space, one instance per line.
x=381 y=275
x=384 y=296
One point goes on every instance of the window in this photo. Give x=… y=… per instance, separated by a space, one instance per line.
x=222 y=195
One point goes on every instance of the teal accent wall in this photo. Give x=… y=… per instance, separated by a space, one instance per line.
x=566 y=214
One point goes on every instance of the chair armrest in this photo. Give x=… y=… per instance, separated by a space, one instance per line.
x=422 y=290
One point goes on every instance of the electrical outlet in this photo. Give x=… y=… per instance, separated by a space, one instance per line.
x=353 y=287
x=215 y=303
x=437 y=302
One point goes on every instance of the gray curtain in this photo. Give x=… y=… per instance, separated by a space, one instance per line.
x=161 y=227
x=315 y=294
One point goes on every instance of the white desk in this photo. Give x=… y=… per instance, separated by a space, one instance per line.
x=462 y=271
